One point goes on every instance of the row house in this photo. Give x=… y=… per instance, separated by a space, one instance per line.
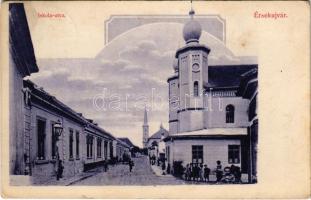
x=43 y=130
x=123 y=150
x=36 y=144
x=82 y=144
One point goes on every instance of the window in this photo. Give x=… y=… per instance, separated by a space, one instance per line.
x=70 y=143
x=53 y=142
x=99 y=148
x=197 y=154
x=77 y=145
x=230 y=114
x=89 y=146
x=196 y=88
x=110 y=150
x=41 y=139
x=233 y=154
x=105 y=149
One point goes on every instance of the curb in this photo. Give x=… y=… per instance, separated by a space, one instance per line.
x=80 y=179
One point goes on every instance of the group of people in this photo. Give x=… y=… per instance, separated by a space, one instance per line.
x=201 y=172
x=197 y=172
x=152 y=159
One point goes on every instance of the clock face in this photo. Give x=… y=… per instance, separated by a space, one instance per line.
x=195 y=67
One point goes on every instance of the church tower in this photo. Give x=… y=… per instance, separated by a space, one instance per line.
x=191 y=69
x=145 y=130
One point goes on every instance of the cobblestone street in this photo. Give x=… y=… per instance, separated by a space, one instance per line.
x=141 y=174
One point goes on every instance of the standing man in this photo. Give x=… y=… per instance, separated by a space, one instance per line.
x=218 y=171
x=60 y=170
x=105 y=165
x=131 y=164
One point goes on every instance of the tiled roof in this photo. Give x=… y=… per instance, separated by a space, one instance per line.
x=22 y=51
x=227 y=75
x=127 y=141
x=41 y=96
x=158 y=134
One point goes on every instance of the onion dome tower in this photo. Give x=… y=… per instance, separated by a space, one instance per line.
x=192 y=75
x=192 y=30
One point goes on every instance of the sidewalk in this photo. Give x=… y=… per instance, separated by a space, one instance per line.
x=69 y=180
x=158 y=171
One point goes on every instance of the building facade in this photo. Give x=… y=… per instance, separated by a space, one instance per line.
x=36 y=147
x=156 y=145
x=248 y=89
x=123 y=151
x=81 y=146
x=208 y=121
x=22 y=63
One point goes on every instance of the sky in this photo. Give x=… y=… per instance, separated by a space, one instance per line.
x=113 y=83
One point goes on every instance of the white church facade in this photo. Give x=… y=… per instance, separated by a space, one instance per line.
x=208 y=118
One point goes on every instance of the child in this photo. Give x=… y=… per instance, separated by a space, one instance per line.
x=206 y=173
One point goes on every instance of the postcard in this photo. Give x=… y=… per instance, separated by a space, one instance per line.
x=155 y=99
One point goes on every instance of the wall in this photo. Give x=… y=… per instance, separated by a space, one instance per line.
x=215 y=115
x=42 y=170
x=173 y=127
x=95 y=157
x=46 y=168
x=173 y=104
x=190 y=120
x=213 y=150
x=16 y=127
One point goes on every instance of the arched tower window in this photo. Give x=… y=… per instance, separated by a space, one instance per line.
x=196 y=88
x=229 y=114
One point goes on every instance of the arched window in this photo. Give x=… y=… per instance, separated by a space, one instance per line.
x=229 y=114
x=195 y=88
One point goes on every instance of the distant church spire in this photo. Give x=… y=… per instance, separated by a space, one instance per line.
x=145 y=129
x=145 y=117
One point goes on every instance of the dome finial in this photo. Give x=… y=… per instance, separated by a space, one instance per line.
x=192 y=29
x=191 y=12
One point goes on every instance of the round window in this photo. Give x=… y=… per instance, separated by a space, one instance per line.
x=195 y=67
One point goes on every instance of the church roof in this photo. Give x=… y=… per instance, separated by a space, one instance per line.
x=227 y=75
x=158 y=134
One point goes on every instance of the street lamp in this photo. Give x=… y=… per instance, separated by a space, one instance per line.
x=58 y=129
